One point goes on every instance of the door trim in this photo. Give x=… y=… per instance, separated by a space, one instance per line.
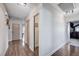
x=34 y=31
x=27 y=32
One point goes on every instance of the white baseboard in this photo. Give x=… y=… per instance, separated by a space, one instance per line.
x=52 y=52
x=31 y=48
x=5 y=51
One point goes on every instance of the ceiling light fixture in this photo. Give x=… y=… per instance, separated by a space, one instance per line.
x=22 y=4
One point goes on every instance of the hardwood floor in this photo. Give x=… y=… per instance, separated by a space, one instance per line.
x=67 y=51
x=16 y=48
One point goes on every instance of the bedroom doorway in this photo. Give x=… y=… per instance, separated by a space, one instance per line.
x=74 y=33
x=36 y=34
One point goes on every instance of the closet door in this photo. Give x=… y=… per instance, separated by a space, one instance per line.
x=15 y=31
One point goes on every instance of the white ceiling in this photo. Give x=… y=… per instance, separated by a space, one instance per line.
x=68 y=6
x=17 y=11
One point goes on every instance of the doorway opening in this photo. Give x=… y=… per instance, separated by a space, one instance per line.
x=15 y=31
x=36 y=34
x=74 y=33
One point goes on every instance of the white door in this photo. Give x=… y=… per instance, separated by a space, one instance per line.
x=15 y=32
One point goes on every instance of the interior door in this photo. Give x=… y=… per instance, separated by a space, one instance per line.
x=15 y=31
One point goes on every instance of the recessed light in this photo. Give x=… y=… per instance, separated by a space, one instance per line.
x=22 y=4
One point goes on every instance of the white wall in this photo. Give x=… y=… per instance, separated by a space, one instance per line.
x=3 y=39
x=10 y=31
x=72 y=17
x=51 y=30
x=30 y=17
x=31 y=41
x=31 y=32
x=3 y=33
x=25 y=33
x=21 y=28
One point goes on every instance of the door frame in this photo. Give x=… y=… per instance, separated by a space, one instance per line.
x=13 y=30
x=28 y=31
x=34 y=30
x=67 y=31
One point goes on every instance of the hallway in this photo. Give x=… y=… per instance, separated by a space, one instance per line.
x=16 y=48
x=67 y=51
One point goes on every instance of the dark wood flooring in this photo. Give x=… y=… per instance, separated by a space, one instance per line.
x=16 y=48
x=67 y=50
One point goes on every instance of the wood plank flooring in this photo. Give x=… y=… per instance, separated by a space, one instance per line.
x=67 y=51
x=16 y=48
